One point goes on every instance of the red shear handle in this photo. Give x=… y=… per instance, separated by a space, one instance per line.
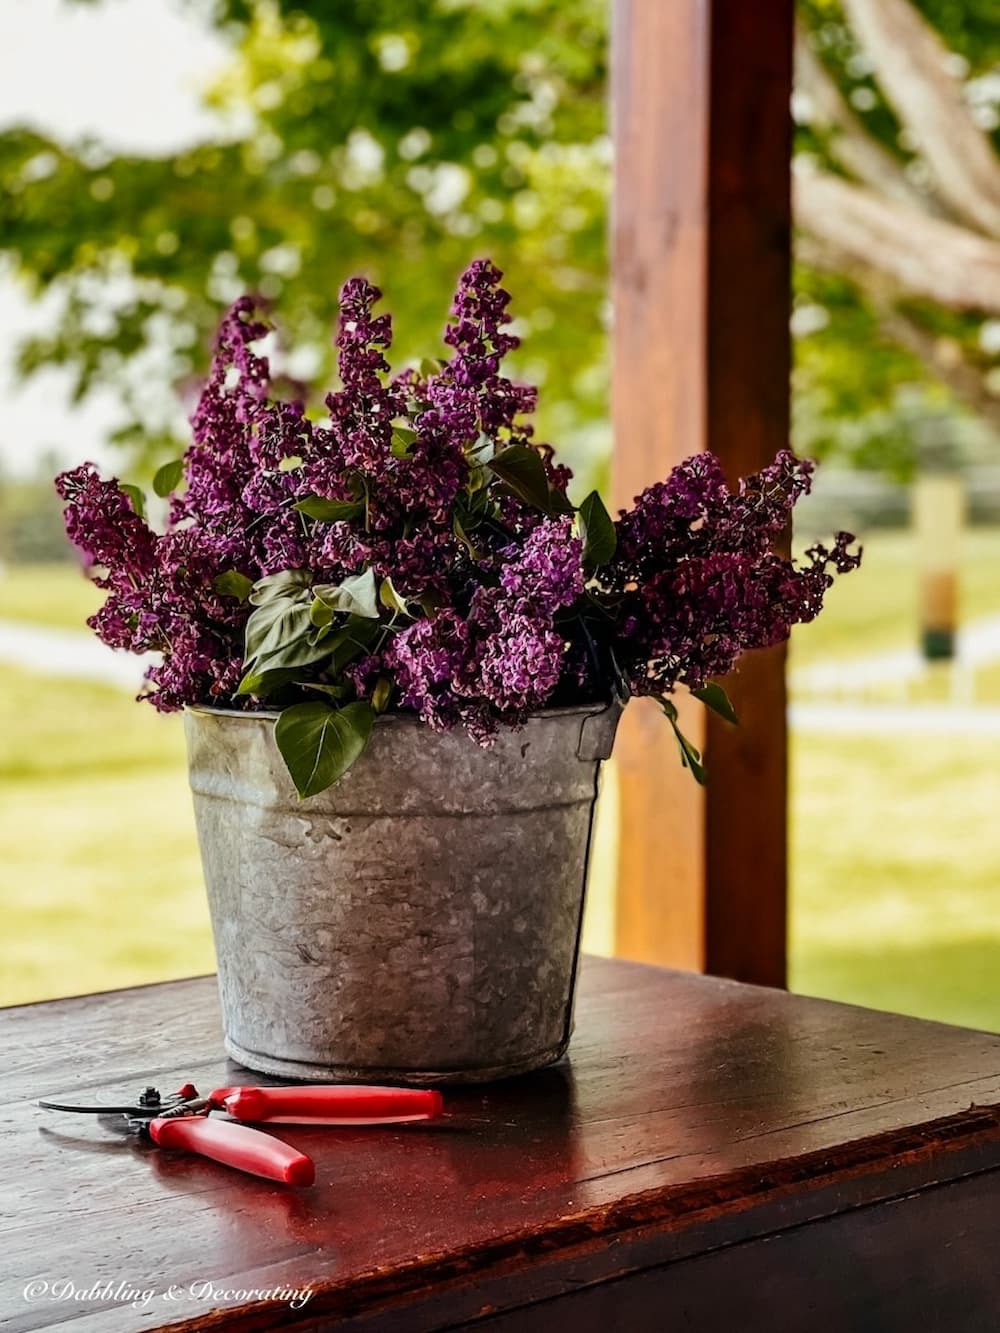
x=333 y=1105
x=235 y=1145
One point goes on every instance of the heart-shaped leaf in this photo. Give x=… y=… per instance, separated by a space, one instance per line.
x=275 y=625
x=319 y=743
x=715 y=697
x=330 y=511
x=382 y=694
x=286 y=584
x=482 y=447
x=320 y=614
x=232 y=583
x=560 y=503
x=264 y=681
x=403 y=440
x=302 y=651
x=334 y=691
x=358 y=595
x=597 y=532
x=522 y=471
x=135 y=495
x=168 y=477
x=391 y=599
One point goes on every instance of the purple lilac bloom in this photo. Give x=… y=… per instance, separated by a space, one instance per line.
x=485 y=611
x=695 y=577
x=509 y=657
x=547 y=571
x=103 y=525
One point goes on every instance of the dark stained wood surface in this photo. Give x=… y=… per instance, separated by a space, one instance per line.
x=694 y=1115
x=702 y=359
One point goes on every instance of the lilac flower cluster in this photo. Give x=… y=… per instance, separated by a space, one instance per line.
x=695 y=580
x=489 y=599
x=504 y=657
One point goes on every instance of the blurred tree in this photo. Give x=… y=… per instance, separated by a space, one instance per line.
x=371 y=135
x=31 y=524
x=402 y=139
x=897 y=197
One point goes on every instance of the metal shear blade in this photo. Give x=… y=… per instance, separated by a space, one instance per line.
x=149 y=1105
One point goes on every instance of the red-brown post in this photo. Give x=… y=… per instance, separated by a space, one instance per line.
x=701 y=263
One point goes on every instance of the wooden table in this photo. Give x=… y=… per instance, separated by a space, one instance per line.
x=712 y=1156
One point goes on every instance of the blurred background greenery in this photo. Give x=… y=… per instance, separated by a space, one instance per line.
x=402 y=140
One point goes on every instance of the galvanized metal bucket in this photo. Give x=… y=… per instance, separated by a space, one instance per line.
x=418 y=922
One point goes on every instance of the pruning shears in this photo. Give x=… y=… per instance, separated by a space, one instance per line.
x=184 y=1121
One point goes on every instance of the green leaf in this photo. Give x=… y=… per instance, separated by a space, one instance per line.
x=715 y=697
x=232 y=583
x=275 y=625
x=358 y=595
x=350 y=642
x=621 y=684
x=403 y=440
x=484 y=444
x=479 y=504
x=262 y=682
x=391 y=599
x=330 y=511
x=597 y=532
x=429 y=603
x=286 y=584
x=320 y=614
x=136 y=497
x=305 y=650
x=690 y=754
x=168 y=477
x=319 y=633
x=522 y=471
x=429 y=366
x=459 y=531
x=479 y=479
x=319 y=743
x=381 y=694
x=691 y=757
x=334 y=691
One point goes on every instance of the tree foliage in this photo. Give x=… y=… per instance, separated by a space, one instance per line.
x=399 y=140
x=375 y=136
x=898 y=205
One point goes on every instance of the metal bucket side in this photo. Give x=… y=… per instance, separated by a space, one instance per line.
x=419 y=921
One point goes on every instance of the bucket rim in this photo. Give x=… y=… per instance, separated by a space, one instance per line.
x=408 y=719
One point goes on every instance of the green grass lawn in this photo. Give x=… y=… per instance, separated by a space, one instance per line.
x=57 y=595
x=99 y=878
x=896 y=874
x=874 y=609
x=895 y=844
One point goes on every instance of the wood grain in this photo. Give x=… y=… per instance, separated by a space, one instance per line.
x=702 y=358
x=872 y=1270
x=659 y=107
x=693 y=1113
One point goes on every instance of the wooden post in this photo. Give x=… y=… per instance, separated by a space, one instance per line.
x=701 y=261
x=938 y=507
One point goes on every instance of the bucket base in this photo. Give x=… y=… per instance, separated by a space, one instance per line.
x=299 y=1069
